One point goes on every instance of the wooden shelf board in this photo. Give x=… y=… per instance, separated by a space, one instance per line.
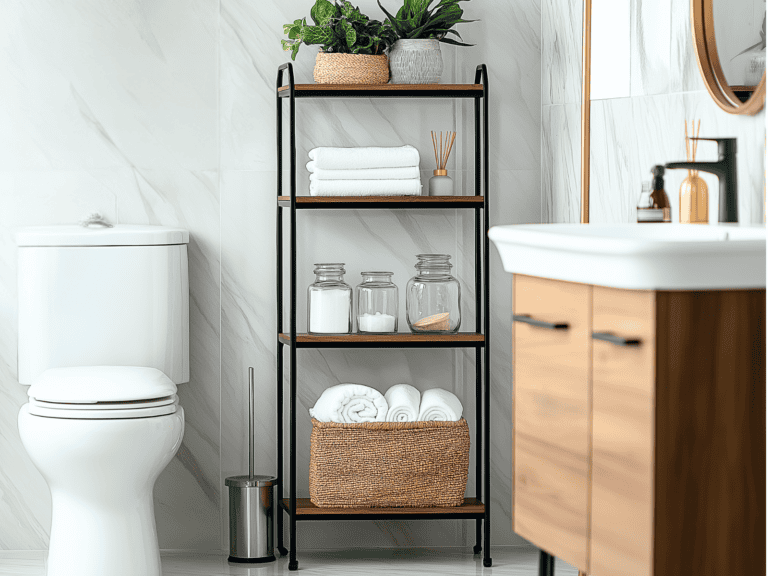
x=383 y=90
x=382 y=202
x=472 y=507
x=382 y=87
x=398 y=340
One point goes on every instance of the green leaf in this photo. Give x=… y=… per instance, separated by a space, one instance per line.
x=322 y=11
x=352 y=13
x=367 y=45
x=349 y=34
x=292 y=46
x=316 y=35
x=295 y=32
x=454 y=42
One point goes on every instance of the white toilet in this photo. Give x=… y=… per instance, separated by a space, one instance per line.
x=103 y=342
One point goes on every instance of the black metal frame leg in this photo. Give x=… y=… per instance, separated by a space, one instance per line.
x=546 y=564
x=293 y=564
x=482 y=74
x=279 y=262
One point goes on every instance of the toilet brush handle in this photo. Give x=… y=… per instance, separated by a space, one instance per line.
x=251 y=409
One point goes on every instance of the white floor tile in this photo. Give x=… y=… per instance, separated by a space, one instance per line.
x=391 y=562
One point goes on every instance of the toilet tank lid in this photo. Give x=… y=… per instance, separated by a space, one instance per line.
x=119 y=235
x=92 y=384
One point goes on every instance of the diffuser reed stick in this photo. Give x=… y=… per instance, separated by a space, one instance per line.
x=441 y=184
x=443 y=151
x=694 y=195
x=692 y=147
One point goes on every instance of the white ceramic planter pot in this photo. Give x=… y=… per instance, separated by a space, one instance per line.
x=416 y=62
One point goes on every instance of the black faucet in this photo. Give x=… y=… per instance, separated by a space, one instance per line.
x=725 y=170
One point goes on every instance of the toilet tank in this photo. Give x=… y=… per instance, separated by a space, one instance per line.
x=103 y=297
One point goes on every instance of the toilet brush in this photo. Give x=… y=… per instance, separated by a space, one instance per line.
x=251 y=499
x=251 y=410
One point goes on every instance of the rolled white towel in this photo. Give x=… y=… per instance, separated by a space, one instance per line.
x=350 y=403
x=365 y=187
x=404 y=173
x=403 y=401
x=441 y=405
x=364 y=157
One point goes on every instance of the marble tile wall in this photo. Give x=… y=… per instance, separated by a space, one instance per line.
x=163 y=113
x=630 y=135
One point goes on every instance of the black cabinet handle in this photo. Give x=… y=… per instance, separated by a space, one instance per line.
x=617 y=340
x=526 y=319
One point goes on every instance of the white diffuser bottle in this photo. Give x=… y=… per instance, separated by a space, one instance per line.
x=440 y=184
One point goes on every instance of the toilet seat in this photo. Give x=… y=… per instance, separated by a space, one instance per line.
x=102 y=392
x=102 y=411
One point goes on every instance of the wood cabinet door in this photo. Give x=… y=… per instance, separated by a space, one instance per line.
x=622 y=432
x=551 y=418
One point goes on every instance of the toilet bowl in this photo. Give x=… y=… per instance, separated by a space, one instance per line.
x=100 y=436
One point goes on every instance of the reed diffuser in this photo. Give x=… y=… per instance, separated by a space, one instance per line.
x=441 y=184
x=694 y=194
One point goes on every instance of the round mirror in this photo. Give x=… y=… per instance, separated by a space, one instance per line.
x=729 y=37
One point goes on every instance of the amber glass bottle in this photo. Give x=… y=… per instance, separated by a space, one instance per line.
x=659 y=198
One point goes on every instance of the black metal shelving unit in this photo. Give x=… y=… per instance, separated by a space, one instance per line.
x=297 y=509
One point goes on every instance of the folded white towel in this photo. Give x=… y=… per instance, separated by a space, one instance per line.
x=349 y=403
x=364 y=157
x=403 y=401
x=365 y=188
x=439 y=404
x=404 y=173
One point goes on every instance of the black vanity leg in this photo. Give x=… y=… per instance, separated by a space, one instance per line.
x=546 y=564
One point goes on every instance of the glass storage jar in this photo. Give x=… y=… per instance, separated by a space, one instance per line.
x=329 y=301
x=433 y=296
x=377 y=299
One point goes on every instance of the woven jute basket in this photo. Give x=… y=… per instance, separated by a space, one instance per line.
x=388 y=464
x=351 y=69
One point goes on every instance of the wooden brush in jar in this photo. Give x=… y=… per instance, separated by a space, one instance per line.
x=441 y=184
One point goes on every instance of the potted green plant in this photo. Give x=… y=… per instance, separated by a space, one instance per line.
x=352 y=45
x=420 y=26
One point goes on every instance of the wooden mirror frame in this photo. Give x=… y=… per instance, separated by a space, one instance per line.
x=703 y=28
x=586 y=101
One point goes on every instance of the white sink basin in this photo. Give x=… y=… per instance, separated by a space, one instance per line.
x=637 y=256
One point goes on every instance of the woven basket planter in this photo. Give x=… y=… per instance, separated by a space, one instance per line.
x=388 y=464
x=351 y=69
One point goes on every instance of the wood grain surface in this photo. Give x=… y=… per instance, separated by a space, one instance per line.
x=304 y=507
x=551 y=418
x=405 y=338
x=710 y=433
x=420 y=200
x=382 y=87
x=621 y=536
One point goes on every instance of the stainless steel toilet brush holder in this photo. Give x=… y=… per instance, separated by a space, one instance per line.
x=251 y=505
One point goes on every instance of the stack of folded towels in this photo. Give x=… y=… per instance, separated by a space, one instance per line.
x=354 y=403
x=372 y=171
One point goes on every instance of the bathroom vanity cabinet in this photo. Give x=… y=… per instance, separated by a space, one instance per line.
x=638 y=441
